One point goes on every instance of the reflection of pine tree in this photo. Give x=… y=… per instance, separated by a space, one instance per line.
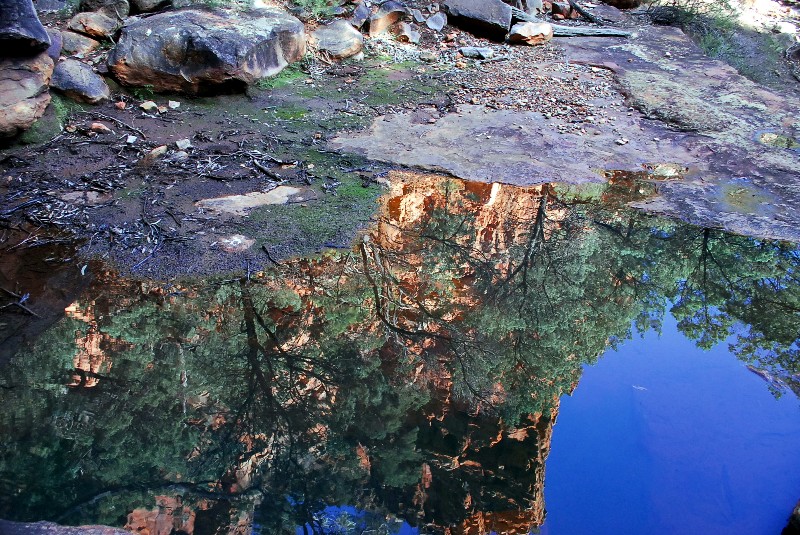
x=418 y=374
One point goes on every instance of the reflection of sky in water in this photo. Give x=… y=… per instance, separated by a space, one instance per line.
x=662 y=437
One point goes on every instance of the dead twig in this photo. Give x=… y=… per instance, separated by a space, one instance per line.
x=267 y=171
x=269 y=256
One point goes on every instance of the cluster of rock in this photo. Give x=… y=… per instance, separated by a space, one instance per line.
x=196 y=50
x=484 y=18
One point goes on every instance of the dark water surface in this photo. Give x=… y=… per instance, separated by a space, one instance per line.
x=413 y=383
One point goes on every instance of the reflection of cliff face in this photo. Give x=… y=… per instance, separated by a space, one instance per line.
x=485 y=477
x=174 y=515
x=481 y=474
x=293 y=344
x=94 y=347
x=498 y=216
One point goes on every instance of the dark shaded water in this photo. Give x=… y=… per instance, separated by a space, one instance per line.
x=414 y=382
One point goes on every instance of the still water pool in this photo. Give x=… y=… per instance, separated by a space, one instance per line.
x=484 y=359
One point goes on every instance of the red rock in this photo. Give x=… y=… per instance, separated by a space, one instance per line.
x=23 y=92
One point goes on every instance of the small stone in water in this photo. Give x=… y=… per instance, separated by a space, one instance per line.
x=148 y=105
x=131 y=140
x=173 y=105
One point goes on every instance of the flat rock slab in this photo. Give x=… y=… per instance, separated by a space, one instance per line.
x=736 y=130
x=512 y=147
x=49 y=528
x=196 y=50
x=739 y=141
x=242 y=204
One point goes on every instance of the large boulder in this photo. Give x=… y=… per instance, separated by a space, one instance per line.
x=94 y=24
x=117 y=9
x=484 y=18
x=79 y=82
x=21 y=32
x=197 y=50
x=339 y=39
x=23 y=92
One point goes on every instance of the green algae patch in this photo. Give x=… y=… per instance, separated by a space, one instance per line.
x=739 y=195
x=780 y=141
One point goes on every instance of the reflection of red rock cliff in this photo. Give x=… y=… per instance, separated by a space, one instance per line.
x=170 y=514
x=482 y=475
x=173 y=514
x=92 y=359
x=494 y=481
x=500 y=215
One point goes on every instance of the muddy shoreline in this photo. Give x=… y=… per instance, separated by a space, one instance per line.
x=136 y=194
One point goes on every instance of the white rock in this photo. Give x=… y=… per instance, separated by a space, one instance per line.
x=183 y=144
x=530 y=33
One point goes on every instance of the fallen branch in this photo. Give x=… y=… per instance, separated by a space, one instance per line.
x=585 y=14
x=267 y=171
x=23 y=307
x=581 y=31
x=560 y=30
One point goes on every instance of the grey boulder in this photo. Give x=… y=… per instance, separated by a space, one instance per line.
x=21 y=32
x=146 y=6
x=56 y=44
x=476 y=52
x=118 y=9
x=437 y=21
x=76 y=44
x=23 y=92
x=339 y=39
x=361 y=14
x=484 y=18
x=204 y=50
x=79 y=82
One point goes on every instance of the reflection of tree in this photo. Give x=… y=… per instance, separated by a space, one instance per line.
x=417 y=375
